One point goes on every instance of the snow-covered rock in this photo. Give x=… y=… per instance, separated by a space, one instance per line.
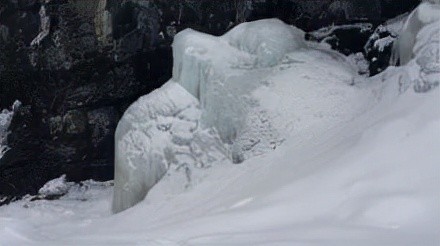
x=379 y=45
x=55 y=188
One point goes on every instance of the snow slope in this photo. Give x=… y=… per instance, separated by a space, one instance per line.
x=373 y=181
x=359 y=166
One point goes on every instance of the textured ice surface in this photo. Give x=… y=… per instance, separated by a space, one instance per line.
x=404 y=48
x=158 y=132
x=254 y=91
x=232 y=83
x=223 y=71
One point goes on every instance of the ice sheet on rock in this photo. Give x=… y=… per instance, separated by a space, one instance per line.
x=155 y=134
x=221 y=75
x=223 y=71
x=421 y=41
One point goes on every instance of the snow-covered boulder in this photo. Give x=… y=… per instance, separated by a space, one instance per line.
x=5 y=121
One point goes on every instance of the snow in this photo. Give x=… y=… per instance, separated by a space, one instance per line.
x=55 y=187
x=358 y=163
x=382 y=43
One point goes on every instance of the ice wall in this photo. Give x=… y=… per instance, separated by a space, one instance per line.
x=404 y=48
x=223 y=71
x=158 y=132
x=208 y=103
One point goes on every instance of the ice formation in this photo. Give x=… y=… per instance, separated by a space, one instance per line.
x=158 y=132
x=404 y=49
x=238 y=89
x=248 y=90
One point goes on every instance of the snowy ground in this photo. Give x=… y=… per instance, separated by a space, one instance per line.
x=371 y=181
x=358 y=167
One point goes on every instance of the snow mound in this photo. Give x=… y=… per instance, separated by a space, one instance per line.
x=54 y=188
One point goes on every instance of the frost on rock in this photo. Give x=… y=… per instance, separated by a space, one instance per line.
x=44 y=27
x=5 y=121
x=55 y=188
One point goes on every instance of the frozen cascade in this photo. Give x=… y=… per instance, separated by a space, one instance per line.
x=160 y=131
x=243 y=89
x=404 y=48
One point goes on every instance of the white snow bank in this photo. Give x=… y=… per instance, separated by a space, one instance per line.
x=371 y=181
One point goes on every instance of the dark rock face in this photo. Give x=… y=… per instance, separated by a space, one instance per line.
x=347 y=39
x=76 y=65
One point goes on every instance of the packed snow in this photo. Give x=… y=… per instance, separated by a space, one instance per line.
x=356 y=162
